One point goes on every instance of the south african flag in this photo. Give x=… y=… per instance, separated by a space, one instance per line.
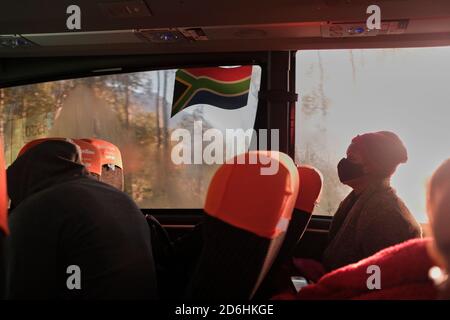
x=225 y=88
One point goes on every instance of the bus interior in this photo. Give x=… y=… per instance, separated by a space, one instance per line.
x=317 y=75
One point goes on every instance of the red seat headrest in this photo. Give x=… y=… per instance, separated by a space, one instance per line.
x=110 y=153
x=35 y=142
x=310 y=188
x=3 y=192
x=90 y=156
x=243 y=197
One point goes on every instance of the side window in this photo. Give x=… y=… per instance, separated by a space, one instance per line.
x=349 y=92
x=133 y=111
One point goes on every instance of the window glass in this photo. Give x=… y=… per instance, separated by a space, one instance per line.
x=132 y=111
x=348 y=92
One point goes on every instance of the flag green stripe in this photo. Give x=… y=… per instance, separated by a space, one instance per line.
x=221 y=88
x=181 y=103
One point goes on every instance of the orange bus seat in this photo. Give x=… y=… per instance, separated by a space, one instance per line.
x=111 y=161
x=90 y=155
x=247 y=215
x=3 y=193
x=311 y=181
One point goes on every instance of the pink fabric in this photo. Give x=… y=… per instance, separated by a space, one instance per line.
x=404 y=275
x=309 y=268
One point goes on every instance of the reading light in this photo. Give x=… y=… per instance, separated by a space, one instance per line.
x=167 y=36
x=359 y=30
x=161 y=36
x=13 y=41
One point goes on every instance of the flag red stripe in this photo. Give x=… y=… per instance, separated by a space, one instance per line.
x=222 y=74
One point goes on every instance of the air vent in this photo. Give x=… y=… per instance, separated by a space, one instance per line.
x=194 y=34
x=126 y=9
x=14 y=41
x=359 y=29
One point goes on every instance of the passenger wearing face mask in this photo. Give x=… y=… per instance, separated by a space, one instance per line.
x=372 y=217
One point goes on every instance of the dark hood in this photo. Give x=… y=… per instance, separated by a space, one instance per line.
x=43 y=166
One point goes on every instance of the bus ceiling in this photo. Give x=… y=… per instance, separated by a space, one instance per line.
x=28 y=29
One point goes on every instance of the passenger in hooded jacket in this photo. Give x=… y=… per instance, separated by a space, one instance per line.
x=66 y=226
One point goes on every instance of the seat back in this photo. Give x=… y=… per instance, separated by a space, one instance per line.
x=309 y=192
x=35 y=142
x=247 y=215
x=91 y=158
x=111 y=160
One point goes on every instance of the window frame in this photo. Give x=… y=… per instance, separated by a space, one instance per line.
x=276 y=74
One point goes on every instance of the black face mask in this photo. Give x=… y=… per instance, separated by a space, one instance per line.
x=348 y=170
